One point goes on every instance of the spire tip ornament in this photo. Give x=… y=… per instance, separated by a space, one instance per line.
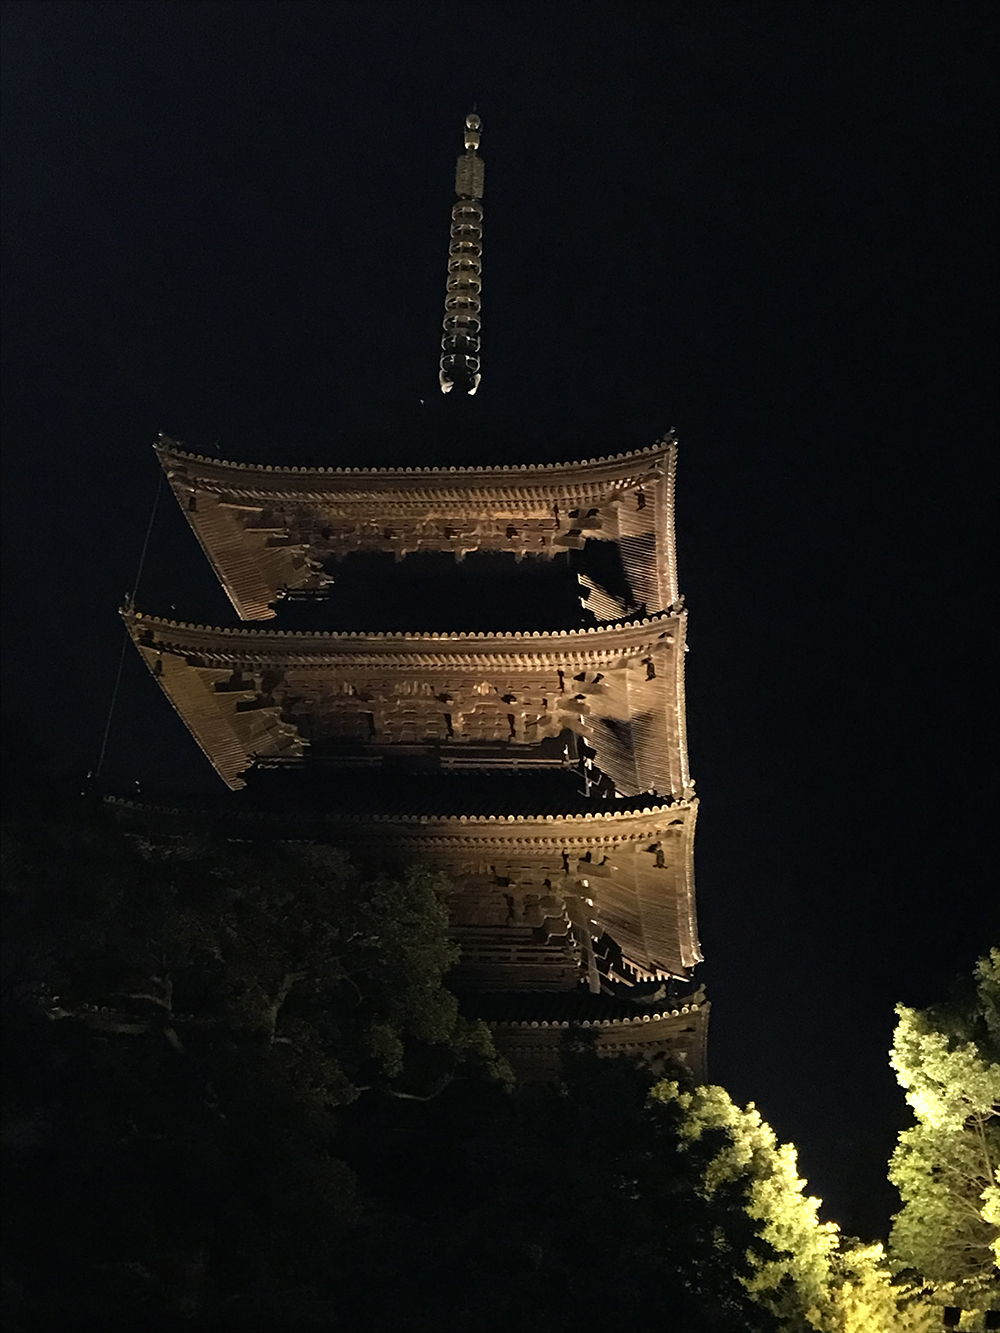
x=460 y=341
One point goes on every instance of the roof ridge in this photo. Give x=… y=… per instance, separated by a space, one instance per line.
x=652 y=1017
x=165 y=445
x=464 y=636
x=655 y=807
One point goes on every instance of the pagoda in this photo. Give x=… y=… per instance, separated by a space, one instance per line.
x=541 y=762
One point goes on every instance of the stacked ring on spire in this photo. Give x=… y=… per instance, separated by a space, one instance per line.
x=460 y=342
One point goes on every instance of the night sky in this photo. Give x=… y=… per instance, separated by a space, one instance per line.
x=769 y=226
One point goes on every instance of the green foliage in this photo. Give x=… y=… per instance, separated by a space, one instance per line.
x=807 y=1276
x=613 y=1197
x=791 y=1279
x=180 y=1028
x=277 y=945
x=862 y=1296
x=566 y=1208
x=946 y=1167
x=239 y=1095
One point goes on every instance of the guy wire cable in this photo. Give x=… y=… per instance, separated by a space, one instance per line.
x=125 y=638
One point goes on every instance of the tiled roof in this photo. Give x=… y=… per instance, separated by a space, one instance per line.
x=503 y=795
x=295 y=797
x=629 y=860
x=577 y=1006
x=618 y=687
x=273 y=531
x=170 y=449
x=330 y=640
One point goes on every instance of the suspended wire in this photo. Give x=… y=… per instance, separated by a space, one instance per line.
x=125 y=633
x=149 y=533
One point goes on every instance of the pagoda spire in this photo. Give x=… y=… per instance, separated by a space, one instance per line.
x=460 y=342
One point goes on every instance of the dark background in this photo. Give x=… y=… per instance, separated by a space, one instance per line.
x=771 y=226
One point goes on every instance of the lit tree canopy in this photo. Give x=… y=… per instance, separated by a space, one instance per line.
x=946 y=1167
x=862 y=1296
x=806 y=1274
x=566 y=1208
x=791 y=1278
x=222 y=1108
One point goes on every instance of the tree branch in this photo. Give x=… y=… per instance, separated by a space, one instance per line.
x=407 y=1096
x=283 y=991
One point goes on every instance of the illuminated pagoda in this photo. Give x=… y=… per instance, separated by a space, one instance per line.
x=542 y=765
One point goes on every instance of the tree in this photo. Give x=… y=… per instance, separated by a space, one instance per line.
x=613 y=1201
x=863 y=1296
x=808 y=1276
x=181 y=1025
x=946 y=1166
x=565 y=1208
x=240 y=1095
x=283 y=945
x=791 y=1279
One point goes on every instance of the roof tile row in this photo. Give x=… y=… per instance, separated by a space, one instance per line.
x=168 y=446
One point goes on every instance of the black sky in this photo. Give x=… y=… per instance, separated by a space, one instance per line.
x=771 y=226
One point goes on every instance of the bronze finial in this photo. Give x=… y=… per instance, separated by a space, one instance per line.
x=460 y=343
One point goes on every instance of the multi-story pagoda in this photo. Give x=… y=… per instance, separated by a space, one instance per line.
x=541 y=762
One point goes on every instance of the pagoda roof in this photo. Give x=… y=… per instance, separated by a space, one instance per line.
x=308 y=793
x=532 y=1042
x=505 y=699
x=309 y=800
x=240 y=642
x=269 y=479
x=579 y=1007
x=273 y=531
x=632 y=859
